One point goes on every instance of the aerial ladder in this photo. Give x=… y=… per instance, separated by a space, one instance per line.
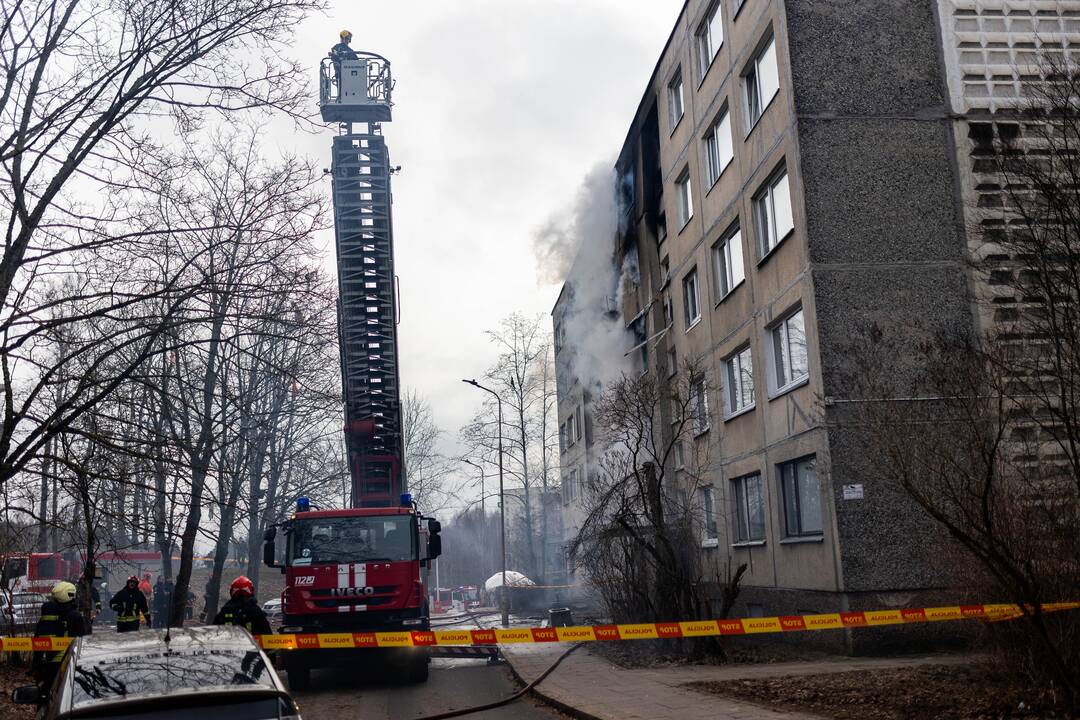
x=361 y=569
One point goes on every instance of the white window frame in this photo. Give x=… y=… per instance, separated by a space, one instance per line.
x=672 y=363
x=692 y=310
x=679 y=453
x=743 y=530
x=719 y=147
x=758 y=71
x=729 y=269
x=738 y=398
x=782 y=367
x=711 y=529
x=774 y=219
x=794 y=512
x=676 y=100
x=699 y=407
x=570 y=440
x=684 y=199
x=706 y=44
x=579 y=422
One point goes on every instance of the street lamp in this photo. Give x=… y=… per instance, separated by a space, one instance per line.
x=481 y=469
x=504 y=600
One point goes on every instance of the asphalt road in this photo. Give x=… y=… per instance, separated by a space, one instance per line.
x=453 y=684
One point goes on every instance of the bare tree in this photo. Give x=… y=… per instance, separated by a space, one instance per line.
x=87 y=87
x=639 y=543
x=982 y=429
x=428 y=470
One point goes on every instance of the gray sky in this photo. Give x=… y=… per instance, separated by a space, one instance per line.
x=501 y=108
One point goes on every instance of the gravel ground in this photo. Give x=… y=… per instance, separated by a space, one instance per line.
x=11 y=677
x=978 y=692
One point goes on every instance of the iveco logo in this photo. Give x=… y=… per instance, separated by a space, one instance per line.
x=349 y=592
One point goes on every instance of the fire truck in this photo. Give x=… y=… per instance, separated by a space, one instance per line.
x=38 y=572
x=360 y=569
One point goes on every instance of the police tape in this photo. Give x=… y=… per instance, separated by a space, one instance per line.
x=606 y=633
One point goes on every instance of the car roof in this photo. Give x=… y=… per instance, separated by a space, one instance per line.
x=91 y=653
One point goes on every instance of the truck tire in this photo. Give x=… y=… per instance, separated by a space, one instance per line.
x=299 y=678
x=418 y=669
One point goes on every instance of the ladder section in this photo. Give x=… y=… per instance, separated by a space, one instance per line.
x=367 y=316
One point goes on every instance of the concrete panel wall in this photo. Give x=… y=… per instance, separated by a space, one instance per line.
x=885 y=237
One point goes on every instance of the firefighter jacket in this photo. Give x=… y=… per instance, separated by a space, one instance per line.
x=246 y=613
x=57 y=620
x=129 y=604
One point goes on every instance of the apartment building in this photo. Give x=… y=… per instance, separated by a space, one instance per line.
x=795 y=170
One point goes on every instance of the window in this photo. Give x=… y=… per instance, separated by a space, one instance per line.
x=728 y=261
x=672 y=363
x=749 y=509
x=571 y=423
x=708 y=511
x=562 y=438
x=669 y=314
x=690 y=299
x=675 y=100
x=570 y=486
x=761 y=81
x=772 y=212
x=802 y=498
x=661 y=228
x=739 y=376
x=719 y=151
x=699 y=406
x=709 y=37
x=684 y=198
x=736 y=6
x=680 y=455
x=578 y=424
x=788 y=346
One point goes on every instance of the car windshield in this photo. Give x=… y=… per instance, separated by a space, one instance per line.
x=352 y=539
x=164 y=672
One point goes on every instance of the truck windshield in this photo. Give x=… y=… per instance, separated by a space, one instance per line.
x=352 y=539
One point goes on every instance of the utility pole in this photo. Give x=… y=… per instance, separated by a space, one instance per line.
x=504 y=597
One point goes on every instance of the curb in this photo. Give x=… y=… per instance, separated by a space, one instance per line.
x=547 y=699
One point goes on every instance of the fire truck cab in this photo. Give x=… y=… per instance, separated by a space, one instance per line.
x=355 y=570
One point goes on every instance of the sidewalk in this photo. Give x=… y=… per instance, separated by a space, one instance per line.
x=587 y=686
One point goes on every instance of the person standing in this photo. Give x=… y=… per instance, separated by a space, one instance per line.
x=129 y=604
x=159 y=611
x=242 y=609
x=59 y=618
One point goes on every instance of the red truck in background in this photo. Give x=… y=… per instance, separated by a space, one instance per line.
x=360 y=569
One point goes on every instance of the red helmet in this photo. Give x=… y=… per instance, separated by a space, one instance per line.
x=133 y=579
x=243 y=587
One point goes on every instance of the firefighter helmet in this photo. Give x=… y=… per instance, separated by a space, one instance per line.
x=63 y=592
x=242 y=587
x=345 y=36
x=132 y=579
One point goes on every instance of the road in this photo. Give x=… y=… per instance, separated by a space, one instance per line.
x=453 y=684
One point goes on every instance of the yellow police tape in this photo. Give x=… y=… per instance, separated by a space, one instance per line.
x=599 y=633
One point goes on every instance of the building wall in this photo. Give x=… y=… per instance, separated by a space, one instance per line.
x=874 y=124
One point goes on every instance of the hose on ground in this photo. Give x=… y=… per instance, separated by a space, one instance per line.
x=505 y=701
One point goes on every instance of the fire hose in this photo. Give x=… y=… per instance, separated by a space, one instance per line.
x=505 y=701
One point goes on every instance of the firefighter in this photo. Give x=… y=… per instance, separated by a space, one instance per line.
x=59 y=618
x=242 y=609
x=129 y=605
x=342 y=51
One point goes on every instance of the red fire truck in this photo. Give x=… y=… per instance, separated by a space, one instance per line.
x=361 y=569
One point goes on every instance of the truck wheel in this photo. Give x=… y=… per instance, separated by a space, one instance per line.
x=299 y=678
x=418 y=669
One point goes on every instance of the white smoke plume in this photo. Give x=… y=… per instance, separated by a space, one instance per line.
x=578 y=246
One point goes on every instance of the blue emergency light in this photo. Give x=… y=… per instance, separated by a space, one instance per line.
x=406 y=499
x=303 y=504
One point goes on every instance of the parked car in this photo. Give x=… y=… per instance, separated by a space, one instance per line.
x=213 y=671
x=21 y=612
x=272 y=608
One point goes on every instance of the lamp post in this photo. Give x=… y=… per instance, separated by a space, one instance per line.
x=481 y=469
x=504 y=599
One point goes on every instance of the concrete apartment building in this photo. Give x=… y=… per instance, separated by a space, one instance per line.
x=795 y=170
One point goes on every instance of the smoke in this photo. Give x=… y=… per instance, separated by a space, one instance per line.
x=578 y=247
